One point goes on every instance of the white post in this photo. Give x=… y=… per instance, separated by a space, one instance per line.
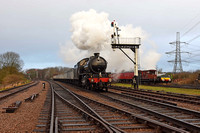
x=136 y=67
x=136 y=62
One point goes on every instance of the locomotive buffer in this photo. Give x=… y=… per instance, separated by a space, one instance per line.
x=127 y=43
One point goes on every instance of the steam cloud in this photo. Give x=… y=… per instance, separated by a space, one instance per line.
x=91 y=33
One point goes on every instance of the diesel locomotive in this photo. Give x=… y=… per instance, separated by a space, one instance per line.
x=89 y=73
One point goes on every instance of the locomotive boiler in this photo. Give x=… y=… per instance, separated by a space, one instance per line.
x=89 y=73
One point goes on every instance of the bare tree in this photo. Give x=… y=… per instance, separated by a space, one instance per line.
x=11 y=59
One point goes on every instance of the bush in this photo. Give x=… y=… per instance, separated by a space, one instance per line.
x=186 y=77
x=13 y=78
x=7 y=71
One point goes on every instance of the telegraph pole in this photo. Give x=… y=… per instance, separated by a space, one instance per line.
x=177 y=61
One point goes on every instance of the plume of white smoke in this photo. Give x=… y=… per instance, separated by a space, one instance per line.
x=71 y=54
x=91 y=33
x=90 y=30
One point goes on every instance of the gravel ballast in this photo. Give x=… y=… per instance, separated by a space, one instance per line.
x=26 y=116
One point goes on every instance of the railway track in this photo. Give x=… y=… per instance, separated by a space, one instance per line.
x=111 y=112
x=15 y=87
x=62 y=115
x=186 y=119
x=126 y=119
x=15 y=90
x=45 y=114
x=69 y=112
x=191 y=99
x=180 y=86
x=78 y=118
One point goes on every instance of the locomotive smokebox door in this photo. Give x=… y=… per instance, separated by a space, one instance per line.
x=43 y=84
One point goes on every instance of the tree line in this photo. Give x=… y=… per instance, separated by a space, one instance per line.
x=10 y=68
x=46 y=73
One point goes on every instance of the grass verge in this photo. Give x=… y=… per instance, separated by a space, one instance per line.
x=165 y=89
x=15 y=85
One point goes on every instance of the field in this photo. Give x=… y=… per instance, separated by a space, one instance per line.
x=165 y=89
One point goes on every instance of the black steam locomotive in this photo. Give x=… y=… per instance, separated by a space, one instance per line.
x=90 y=73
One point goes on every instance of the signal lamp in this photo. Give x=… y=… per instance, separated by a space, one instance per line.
x=112 y=24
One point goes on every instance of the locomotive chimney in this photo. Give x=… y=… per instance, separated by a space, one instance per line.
x=96 y=54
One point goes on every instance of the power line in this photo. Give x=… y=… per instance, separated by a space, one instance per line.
x=191 y=28
x=194 y=55
x=193 y=39
x=193 y=59
x=191 y=47
x=194 y=51
x=195 y=65
x=191 y=21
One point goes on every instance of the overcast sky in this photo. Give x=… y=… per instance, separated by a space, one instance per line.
x=35 y=29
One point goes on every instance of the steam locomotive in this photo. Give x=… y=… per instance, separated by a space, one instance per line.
x=89 y=73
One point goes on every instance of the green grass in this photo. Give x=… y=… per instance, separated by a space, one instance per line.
x=166 y=89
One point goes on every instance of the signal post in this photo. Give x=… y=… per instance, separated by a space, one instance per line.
x=127 y=43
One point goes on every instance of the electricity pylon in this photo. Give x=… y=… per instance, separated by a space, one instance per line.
x=177 y=62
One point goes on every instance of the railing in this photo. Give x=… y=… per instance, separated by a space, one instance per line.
x=135 y=41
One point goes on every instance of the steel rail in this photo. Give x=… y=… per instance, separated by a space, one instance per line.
x=170 y=96
x=22 y=89
x=163 y=97
x=150 y=122
x=182 y=124
x=84 y=112
x=147 y=121
x=160 y=115
x=158 y=92
x=16 y=87
x=51 y=129
x=56 y=125
x=43 y=124
x=193 y=112
x=181 y=86
x=89 y=109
